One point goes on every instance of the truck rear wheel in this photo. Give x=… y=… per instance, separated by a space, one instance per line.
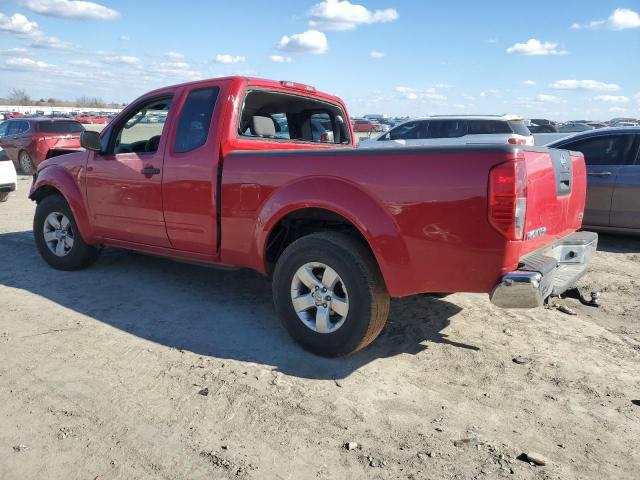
x=329 y=294
x=57 y=236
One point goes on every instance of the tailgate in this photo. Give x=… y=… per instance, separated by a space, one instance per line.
x=556 y=189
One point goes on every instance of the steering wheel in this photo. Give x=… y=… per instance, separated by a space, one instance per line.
x=152 y=144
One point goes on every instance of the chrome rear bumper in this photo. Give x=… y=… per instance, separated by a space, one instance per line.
x=549 y=271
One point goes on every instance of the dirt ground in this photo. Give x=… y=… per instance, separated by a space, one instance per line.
x=143 y=368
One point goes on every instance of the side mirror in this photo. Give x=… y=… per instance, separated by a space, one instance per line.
x=90 y=140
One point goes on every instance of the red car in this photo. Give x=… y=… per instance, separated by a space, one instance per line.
x=84 y=118
x=366 y=126
x=15 y=115
x=29 y=141
x=234 y=177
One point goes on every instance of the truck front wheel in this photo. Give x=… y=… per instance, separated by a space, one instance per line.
x=329 y=293
x=58 y=238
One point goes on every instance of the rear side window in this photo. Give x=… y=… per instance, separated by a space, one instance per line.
x=447 y=128
x=60 y=127
x=195 y=119
x=282 y=116
x=519 y=128
x=488 y=127
x=609 y=150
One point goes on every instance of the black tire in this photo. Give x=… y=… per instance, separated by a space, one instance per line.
x=367 y=295
x=80 y=255
x=4 y=196
x=26 y=163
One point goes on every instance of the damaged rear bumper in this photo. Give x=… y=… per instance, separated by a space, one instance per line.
x=549 y=271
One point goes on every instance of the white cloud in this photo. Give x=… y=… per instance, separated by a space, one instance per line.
x=428 y=94
x=620 y=19
x=492 y=40
x=344 y=15
x=26 y=64
x=617 y=110
x=612 y=98
x=226 y=58
x=43 y=41
x=442 y=85
x=623 y=18
x=174 y=55
x=549 y=98
x=311 y=41
x=535 y=47
x=84 y=63
x=123 y=38
x=529 y=82
x=376 y=54
x=459 y=105
x=18 y=24
x=125 y=59
x=584 y=85
x=80 y=10
x=10 y=52
x=637 y=97
x=491 y=91
x=280 y=59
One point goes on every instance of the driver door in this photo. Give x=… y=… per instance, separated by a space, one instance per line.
x=124 y=181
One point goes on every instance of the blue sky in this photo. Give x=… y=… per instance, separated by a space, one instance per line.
x=559 y=59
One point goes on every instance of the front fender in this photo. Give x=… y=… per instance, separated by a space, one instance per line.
x=59 y=178
x=368 y=215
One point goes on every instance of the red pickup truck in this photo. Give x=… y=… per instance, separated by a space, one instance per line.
x=235 y=175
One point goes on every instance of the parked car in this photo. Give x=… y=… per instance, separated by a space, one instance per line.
x=8 y=177
x=449 y=130
x=366 y=126
x=571 y=127
x=613 y=177
x=339 y=230
x=84 y=118
x=28 y=142
x=597 y=124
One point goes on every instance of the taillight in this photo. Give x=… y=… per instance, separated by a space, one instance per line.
x=324 y=137
x=516 y=141
x=508 y=198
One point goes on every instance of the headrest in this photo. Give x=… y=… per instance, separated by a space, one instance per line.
x=262 y=126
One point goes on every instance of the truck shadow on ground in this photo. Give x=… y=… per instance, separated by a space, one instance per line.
x=618 y=243
x=218 y=313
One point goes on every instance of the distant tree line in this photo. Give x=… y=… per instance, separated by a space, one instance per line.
x=18 y=96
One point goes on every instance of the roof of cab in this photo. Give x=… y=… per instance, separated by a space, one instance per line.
x=252 y=81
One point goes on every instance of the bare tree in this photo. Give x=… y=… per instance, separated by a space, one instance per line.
x=18 y=96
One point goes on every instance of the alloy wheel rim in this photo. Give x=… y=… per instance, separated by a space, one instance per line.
x=58 y=234
x=25 y=162
x=319 y=297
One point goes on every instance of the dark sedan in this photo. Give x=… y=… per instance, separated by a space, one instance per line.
x=613 y=175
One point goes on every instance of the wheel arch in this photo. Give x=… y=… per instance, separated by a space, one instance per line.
x=330 y=203
x=57 y=181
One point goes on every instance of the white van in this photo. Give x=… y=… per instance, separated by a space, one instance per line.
x=8 y=177
x=454 y=130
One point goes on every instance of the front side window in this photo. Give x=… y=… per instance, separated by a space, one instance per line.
x=447 y=128
x=195 y=119
x=281 y=116
x=17 y=127
x=141 y=131
x=606 y=150
x=408 y=131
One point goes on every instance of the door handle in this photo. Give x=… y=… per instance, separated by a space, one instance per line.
x=150 y=171
x=599 y=174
